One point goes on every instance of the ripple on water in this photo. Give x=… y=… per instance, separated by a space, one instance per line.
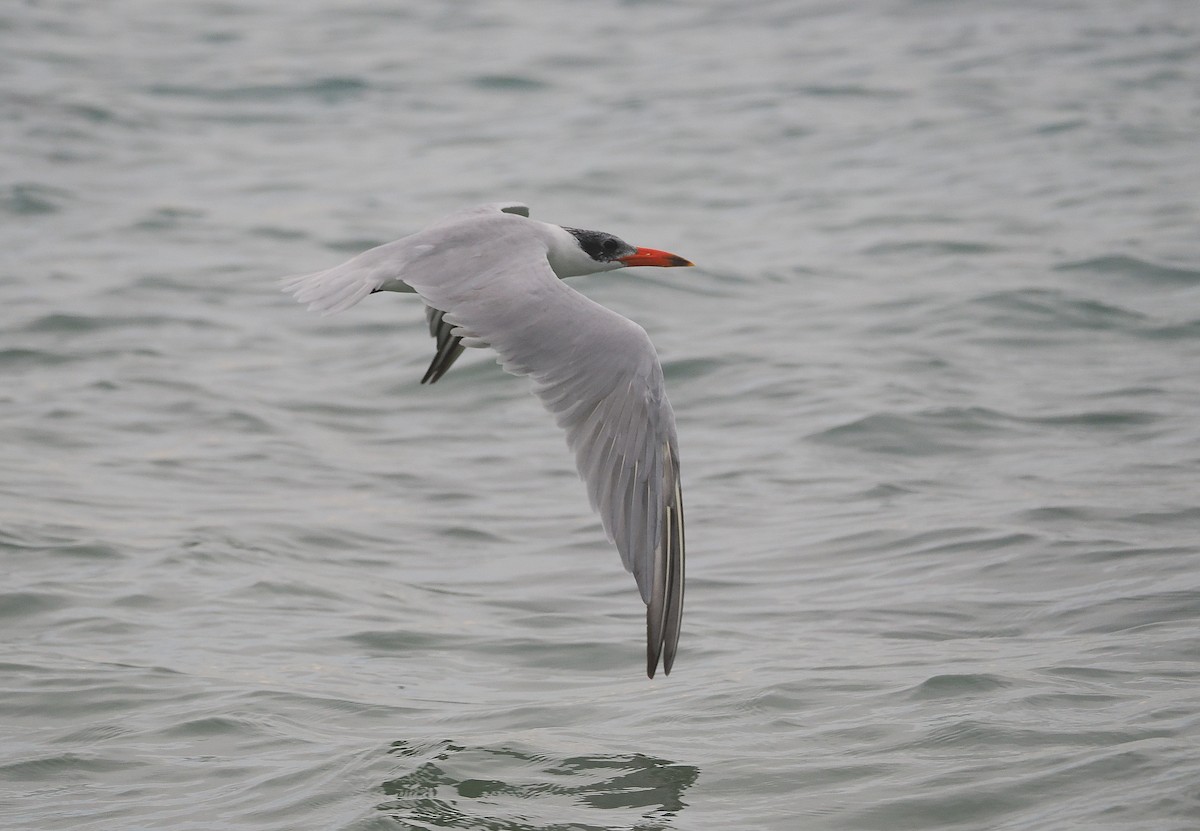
x=22 y=605
x=1051 y=310
x=958 y=686
x=67 y=324
x=65 y=766
x=964 y=430
x=326 y=90
x=947 y=430
x=31 y=199
x=1135 y=269
x=23 y=359
x=508 y=83
x=453 y=785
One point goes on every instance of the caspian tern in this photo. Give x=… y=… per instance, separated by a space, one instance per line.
x=491 y=276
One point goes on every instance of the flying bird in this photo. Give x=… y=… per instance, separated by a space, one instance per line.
x=491 y=276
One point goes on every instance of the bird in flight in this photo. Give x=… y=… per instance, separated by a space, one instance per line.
x=491 y=276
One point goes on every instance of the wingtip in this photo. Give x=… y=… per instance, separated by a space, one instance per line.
x=654 y=629
x=661 y=643
x=652 y=653
x=663 y=650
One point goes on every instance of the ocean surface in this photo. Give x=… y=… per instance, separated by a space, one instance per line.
x=936 y=378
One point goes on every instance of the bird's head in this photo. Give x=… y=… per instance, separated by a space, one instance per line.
x=586 y=252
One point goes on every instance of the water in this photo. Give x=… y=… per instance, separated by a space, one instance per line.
x=935 y=377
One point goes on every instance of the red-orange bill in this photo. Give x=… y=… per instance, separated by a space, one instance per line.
x=651 y=256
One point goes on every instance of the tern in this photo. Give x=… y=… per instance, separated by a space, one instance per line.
x=491 y=276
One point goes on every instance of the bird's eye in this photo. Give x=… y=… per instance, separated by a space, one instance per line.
x=610 y=246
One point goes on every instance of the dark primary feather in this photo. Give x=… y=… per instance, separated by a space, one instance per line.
x=664 y=613
x=449 y=346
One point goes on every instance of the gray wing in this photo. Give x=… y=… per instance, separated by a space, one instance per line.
x=612 y=402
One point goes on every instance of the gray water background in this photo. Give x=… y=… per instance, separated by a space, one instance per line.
x=937 y=378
